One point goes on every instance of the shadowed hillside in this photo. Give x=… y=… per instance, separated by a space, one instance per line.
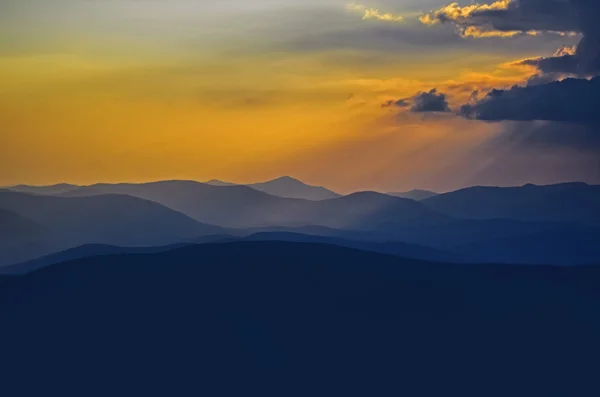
x=20 y=237
x=293 y=188
x=109 y=219
x=58 y=189
x=297 y=320
x=414 y=194
x=570 y=202
x=244 y=207
x=287 y=187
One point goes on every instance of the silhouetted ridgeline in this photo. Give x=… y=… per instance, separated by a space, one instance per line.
x=569 y=202
x=287 y=187
x=48 y=224
x=557 y=224
x=283 y=319
x=243 y=207
x=414 y=194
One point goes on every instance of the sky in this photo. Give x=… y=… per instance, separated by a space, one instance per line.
x=386 y=95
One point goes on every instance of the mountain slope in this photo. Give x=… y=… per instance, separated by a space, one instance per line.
x=51 y=190
x=286 y=187
x=20 y=236
x=297 y=320
x=414 y=194
x=81 y=252
x=292 y=188
x=244 y=207
x=461 y=232
x=231 y=206
x=110 y=219
x=395 y=248
x=392 y=248
x=14 y=226
x=216 y=182
x=571 y=202
x=554 y=247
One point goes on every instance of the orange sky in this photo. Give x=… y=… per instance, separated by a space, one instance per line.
x=172 y=98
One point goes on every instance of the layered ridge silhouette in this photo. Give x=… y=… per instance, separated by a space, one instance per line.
x=287 y=187
x=555 y=224
x=243 y=207
x=50 y=223
x=275 y=318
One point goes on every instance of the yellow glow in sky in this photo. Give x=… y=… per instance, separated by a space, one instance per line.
x=83 y=106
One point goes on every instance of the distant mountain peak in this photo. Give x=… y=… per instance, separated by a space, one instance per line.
x=289 y=187
x=285 y=186
x=368 y=193
x=217 y=182
x=44 y=190
x=565 y=184
x=287 y=178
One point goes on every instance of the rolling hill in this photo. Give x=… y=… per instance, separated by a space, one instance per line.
x=296 y=320
x=244 y=207
x=562 y=247
x=66 y=222
x=20 y=236
x=85 y=251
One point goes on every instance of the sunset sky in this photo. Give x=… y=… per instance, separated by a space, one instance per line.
x=363 y=95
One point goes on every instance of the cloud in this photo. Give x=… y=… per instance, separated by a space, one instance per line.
x=423 y=102
x=584 y=61
x=568 y=111
x=569 y=100
x=468 y=18
x=374 y=13
x=510 y=16
x=507 y=18
x=401 y=103
x=431 y=101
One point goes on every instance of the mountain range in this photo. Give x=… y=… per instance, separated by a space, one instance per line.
x=38 y=225
x=244 y=207
x=568 y=202
x=558 y=224
x=287 y=187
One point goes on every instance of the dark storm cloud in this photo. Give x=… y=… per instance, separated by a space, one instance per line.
x=512 y=16
x=506 y=17
x=423 y=102
x=432 y=101
x=568 y=108
x=570 y=100
x=401 y=103
x=585 y=61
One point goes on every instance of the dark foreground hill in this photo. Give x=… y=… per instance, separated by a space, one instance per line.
x=90 y=250
x=283 y=319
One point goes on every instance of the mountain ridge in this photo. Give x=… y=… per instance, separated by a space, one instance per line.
x=567 y=202
x=109 y=219
x=286 y=187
